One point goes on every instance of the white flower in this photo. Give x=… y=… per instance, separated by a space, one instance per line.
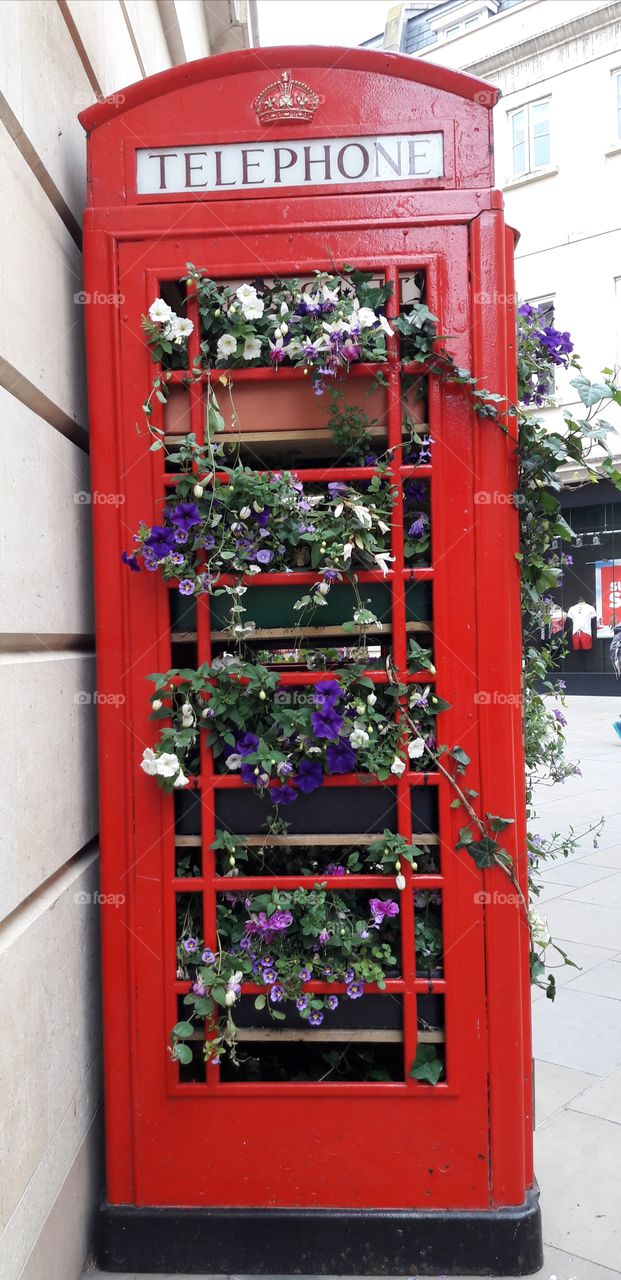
x=385 y=326
x=180 y=328
x=358 y=738
x=253 y=310
x=347 y=550
x=323 y=588
x=229 y=998
x=244 y=513
x=181 y=780
x=278 y=332
x=284 y=310
x=397 y=767
x=400 y=882
x=157 y=704
x=149 y=762
x=246 y=293
x=366 y=317
x=372 y=699
x=167 y=765
x=233 y=761
x=161 y=313
x=227 y=345
x=338 y=510
x=198 y=491
x=252 y=349
x=384 y=527
x=252 y=569
x=363 y=517
x=416 y=748
x=330 y=295
x=382 y=559
x=539 y=931
x=187 y=715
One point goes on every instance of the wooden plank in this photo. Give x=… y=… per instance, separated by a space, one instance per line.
x=346 y=1035
x=310 y=842
x=278 y=633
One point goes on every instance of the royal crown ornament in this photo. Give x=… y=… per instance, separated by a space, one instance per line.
x=285 y=99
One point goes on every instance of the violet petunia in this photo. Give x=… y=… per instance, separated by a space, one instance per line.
x=340 y=757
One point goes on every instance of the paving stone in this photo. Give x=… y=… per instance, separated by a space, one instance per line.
x=602 y=1098
x=578 y=1030
x=556 y=1086
x=602 y=980
x=577 y=1160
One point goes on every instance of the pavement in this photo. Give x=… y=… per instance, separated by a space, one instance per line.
x=577 y=1040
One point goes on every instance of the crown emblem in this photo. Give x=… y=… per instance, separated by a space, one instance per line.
x=285 y=99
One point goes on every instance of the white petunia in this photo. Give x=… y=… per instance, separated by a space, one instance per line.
x=244 y=513
x=227 y=346
x=539 y=931
x=366 y=317
x=180 y=329
x=397 y=767
x=167 y=765
x=149 y=762
x=416 y=748
x=252 y=349
x=254 y=309
x=181 y=780
x=246 y=293
x=161 y=313
x=233 y=761
x=358 y=738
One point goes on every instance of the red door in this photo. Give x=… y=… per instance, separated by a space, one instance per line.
x=213 y=1140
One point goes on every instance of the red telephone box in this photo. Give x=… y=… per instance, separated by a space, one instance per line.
x=260 y=166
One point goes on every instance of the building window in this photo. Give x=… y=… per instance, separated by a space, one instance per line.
x=530 y=138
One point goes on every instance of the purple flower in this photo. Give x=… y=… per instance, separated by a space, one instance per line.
x=417 y=528
x=381 y=909
x=247 y=744
x=185 y=515
x=337 y=489
x=340 y=757
x=280 y=920
x=187 y=587
x=326 y=723
x=559 y=717
x=335 y=869
x=130 y=561
x=301 y=1003
x=355 y=990
x=270 y=975
x=305 y=975
x=328 y=971
x=190 y=945
x=249 y=776
x=364 y=934
x=309 y=776
x=315 y=1018
x=199 y=988
x=330 y=575
x=161 y=542
x=332 y=1002
x=264 y=556
x=277 y=993
x=266 y=962
x=349 y=976
x=325 y=936
x=246 y=945
x=327 y=692
x=283 y=795
x=208 y=956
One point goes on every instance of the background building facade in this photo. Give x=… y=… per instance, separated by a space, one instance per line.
x=557 y=132
x=55 y=59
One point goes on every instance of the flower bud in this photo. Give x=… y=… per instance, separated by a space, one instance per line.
x=231 y=861
x=400 y=882
x=262 y=695
x=157 y=704
x=414 y=866
x=229 y=998
x=397 y=865
x=198 y=491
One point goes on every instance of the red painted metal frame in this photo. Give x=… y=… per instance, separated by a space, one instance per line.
x=463 y=1144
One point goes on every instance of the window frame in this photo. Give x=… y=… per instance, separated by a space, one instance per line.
x=526 y=108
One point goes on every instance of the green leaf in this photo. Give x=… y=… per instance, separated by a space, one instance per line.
x=260 y=1002
x=182 y=1030
x=427 y=1066
x=183 y=1053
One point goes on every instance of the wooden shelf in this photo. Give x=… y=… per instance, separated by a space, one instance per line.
x=309 y=842
x=349 y=1035
x=293 y=632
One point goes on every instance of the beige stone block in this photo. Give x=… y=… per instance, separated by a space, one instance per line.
x=49 y=1057
x=147 y=27
x=48 y=809
x=46 y=526
x=47 y=105
x=103 y=32
x=41 y=323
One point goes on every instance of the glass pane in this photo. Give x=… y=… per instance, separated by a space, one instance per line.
x=518 y=138
x=540 y=123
